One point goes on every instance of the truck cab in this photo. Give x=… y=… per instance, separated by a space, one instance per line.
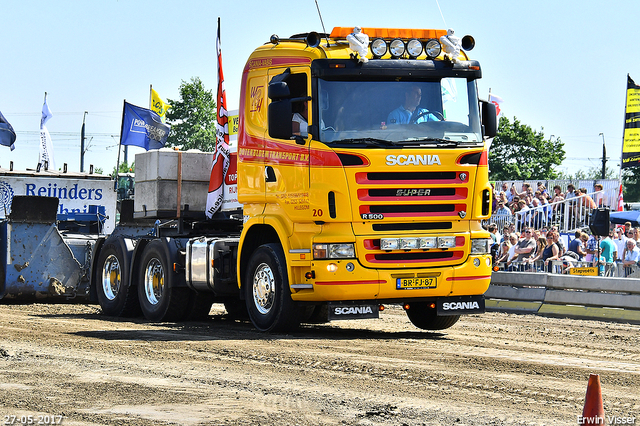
x=381 y=199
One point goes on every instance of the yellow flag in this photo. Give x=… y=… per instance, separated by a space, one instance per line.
x=158 y=105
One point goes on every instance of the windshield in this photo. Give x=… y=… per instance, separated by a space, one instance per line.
x=386 y=113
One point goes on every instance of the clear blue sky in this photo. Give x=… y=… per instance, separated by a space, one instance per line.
x=558 y=65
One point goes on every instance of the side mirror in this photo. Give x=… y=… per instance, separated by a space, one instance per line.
x=489 y=119
x=278 y=87
x=278 y=90
x=280 y=113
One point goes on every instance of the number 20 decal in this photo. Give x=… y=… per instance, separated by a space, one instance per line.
x=317 y=212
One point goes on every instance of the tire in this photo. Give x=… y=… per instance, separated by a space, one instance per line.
x=160 y=299
x=117 y=295
x=267 y=292
x=426 y=318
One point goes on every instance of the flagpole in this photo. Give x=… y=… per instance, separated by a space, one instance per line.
x=120 y=144
x=624 y=123
x=150 y=97
x=41 y=161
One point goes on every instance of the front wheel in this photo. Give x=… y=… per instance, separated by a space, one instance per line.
x=267 y=292
x=160 y=299
x=426 y=318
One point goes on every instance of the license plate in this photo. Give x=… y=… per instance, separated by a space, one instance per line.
x=415 y=283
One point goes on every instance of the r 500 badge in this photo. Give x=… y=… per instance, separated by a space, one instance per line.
x=372 y=216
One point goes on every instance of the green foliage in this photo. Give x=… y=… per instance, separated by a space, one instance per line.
x=193 y=117
x=519 y=153
x=631 y=184
x=594 y=173
x=125 y=168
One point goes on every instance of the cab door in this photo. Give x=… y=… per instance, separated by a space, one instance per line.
x=287 y=155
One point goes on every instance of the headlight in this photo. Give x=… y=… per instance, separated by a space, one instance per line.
x=423 y=243
x=378 y=47
x=396 y=48
x=388 y=243
x=334 y=251
x=409 y=243
x=414 y=48
x=432 y=48
x=481 y=245
x=428 y=242
x=446 y=242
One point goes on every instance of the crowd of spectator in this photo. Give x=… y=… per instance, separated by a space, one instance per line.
x=538 y=248
x=540 y=208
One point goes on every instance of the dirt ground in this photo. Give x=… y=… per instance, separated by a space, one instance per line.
x=492 y=369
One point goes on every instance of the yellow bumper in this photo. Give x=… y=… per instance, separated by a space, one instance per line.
x=352 y=281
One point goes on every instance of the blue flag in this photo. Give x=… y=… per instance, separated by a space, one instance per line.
x=143 y=127
x=7 y=134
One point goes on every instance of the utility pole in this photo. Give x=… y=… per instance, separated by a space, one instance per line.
x=82 y=138
x=604 y=158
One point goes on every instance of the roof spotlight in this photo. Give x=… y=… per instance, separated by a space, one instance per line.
x=432 y=48
x=396 y=48
x=414 y=48
x=378 y=48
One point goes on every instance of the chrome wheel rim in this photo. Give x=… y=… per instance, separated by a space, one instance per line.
x=154 y=281
x=264 y=290
x=111 y=277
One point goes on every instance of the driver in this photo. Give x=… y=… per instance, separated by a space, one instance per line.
x=409 y=112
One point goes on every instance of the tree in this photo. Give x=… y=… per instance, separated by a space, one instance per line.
x=193 y=117
x=594 y=173
x=631 y=184
x=125 y=168
x=519 y=153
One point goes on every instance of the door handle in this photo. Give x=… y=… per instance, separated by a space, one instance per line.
x=269 y=174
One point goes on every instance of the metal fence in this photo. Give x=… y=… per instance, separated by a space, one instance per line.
x=615 y=269
x=568 y=215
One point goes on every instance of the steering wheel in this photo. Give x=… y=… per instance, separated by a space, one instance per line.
x=438 y=115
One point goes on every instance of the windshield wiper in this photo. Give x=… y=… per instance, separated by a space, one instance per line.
x=438 y=141
x=365 y=142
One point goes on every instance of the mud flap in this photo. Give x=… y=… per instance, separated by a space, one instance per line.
x=460 y=305
x=341 y=311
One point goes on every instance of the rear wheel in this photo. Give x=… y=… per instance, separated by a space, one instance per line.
x=426 y=318
x=267 y=292
x=116 y=294
x=160 y=299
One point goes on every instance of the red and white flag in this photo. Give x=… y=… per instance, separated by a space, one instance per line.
x=221 y=154
x=620 y=200
x=496 y=100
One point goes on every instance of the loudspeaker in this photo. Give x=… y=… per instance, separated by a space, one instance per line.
x=599 y=223
x=33 y=209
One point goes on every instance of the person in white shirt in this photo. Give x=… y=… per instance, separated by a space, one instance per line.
x=630 y=256
x=620 y=241
x=300 y=119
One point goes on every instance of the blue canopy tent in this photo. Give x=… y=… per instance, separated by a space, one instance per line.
x=619 y=218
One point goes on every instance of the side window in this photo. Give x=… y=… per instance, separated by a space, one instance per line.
x=455 y=99
x=300 y=108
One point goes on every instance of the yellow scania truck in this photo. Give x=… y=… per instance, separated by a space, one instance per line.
x=362 y=181
x=380 y=201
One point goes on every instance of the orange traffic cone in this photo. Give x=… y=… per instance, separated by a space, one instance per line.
x=593 y=411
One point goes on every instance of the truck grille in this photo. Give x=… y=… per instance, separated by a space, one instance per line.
x=414 y=203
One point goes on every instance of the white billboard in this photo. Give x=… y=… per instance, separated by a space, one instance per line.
x=75 y=194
